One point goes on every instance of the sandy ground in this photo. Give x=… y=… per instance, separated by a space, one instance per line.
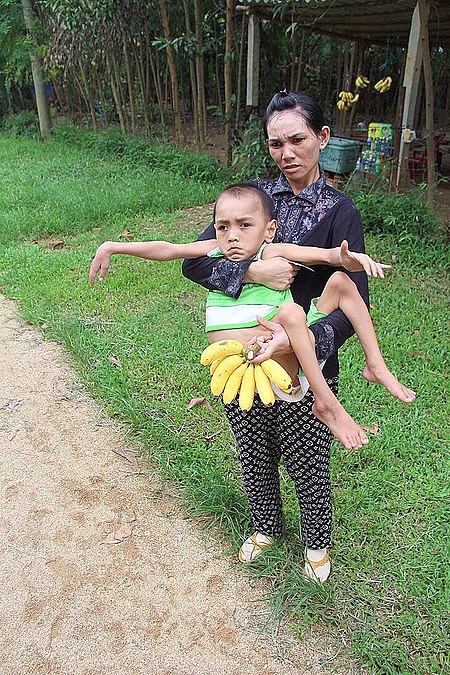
x=100 y=570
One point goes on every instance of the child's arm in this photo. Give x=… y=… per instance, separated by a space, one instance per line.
x=339 y=256
x=149 y=250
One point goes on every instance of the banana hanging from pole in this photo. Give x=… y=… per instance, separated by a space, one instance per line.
x=383 y=85
x=362 y=82
x=347 y=99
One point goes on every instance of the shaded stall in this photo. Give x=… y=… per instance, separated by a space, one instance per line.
x=411 y=24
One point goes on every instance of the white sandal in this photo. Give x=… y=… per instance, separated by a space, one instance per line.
x=254 y=546
x=314 y=571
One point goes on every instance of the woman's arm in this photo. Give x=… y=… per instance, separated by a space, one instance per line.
x=149 y=250
x=216 y=274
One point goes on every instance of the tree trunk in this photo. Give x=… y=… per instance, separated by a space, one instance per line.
x=349 y=81
x=354 y=75
x=88 y=94
x=192 y=75
x=158 y=88
x=239 y=74
x=129 y=83
x=218 y=70
x=141 y=78
x=36 y=69
x=228 y=63
x=179 y=132
x=115 y=88
x=200 y=72
x=300 y=62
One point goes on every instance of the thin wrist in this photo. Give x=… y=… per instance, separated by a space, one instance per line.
x=335 y=257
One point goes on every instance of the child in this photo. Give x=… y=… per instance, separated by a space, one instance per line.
x=245 y=228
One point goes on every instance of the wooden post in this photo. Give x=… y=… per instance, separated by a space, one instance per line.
x=424 y=9
x=411 y=84
x=253 y=63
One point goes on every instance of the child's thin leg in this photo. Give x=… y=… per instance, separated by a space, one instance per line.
x=326 y=407
x=340 y=292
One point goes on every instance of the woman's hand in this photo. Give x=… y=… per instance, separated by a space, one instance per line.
x=277 y=344
x=275 y=273
x=360 y=262
x=100 y=263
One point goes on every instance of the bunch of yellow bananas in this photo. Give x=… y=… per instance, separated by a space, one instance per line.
x=232 y=372
x=346 y=100
x=383 y=85
x=362 y=81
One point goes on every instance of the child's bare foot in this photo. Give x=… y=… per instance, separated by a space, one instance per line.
x=341 y=424
x=382 y=375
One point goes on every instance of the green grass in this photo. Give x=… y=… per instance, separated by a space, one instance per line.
x=388 y=596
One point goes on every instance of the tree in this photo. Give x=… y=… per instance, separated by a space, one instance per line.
x=37 y=70
x=179 y=132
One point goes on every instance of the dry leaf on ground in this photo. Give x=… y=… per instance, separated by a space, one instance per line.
x=118 y=536
x=114 y=361
x=54 y=244
x=201 y=400
x=128 y=455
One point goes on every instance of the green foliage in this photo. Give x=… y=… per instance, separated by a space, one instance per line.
x=404 y=215
x=250 y=156
x=14 y=45
x=23 y=123
x=155 y=154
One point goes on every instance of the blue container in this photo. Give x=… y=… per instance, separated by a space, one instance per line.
x=340 y=155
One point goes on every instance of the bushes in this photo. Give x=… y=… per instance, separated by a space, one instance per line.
x=24 y=123
x=156 y=154
x=397 y=213
x=251 y=158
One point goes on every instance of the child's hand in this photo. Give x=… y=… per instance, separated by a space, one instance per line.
x=100 y=263
x=360 y=262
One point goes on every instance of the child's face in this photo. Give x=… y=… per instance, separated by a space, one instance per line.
x=242 y=226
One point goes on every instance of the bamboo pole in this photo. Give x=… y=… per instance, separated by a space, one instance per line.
x=228 y=77
x=429 y=102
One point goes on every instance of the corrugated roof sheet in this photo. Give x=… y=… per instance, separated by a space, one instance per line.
x=369 y=20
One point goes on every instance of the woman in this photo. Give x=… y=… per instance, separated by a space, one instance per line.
x=309 y=212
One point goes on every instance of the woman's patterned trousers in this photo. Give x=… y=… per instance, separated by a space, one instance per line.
x=291 y=431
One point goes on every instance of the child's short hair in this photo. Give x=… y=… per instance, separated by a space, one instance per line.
x=243 y=189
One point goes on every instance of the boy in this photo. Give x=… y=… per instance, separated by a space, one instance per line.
x=245 y=228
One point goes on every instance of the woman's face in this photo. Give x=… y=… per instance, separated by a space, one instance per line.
x=295 y=148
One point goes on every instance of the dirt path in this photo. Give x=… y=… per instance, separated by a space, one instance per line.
x=163 y=600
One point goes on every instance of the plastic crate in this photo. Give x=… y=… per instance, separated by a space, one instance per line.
x=340 y=155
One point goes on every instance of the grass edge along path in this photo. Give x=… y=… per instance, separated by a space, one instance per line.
x=136 y=340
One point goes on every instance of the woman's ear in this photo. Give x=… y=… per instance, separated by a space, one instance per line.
x=270 y=231
x=324 y=137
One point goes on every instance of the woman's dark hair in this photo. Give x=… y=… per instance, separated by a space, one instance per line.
x=243 y=189
x=302 y=103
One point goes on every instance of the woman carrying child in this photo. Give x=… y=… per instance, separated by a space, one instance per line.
x=297 y=427
x=308 y=212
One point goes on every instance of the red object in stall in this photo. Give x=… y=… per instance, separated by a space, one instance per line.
x=417 y=163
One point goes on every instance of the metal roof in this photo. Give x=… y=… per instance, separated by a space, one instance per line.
x=370 y=21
